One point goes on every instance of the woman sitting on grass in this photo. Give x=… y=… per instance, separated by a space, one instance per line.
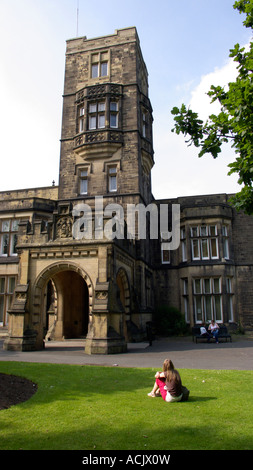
x=168 y=383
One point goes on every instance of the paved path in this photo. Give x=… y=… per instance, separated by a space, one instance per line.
x=185 y=354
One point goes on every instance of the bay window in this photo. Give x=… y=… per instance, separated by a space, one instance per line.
x=207 y=297
x=204 y=242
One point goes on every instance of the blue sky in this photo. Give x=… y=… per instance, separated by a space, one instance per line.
x=185 y=45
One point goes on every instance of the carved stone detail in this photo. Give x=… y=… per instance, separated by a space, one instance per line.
x=101 y=295
x=95 y=137
x=64 y=227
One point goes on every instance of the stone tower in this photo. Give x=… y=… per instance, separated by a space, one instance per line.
x=82 y=283
x=106 y=142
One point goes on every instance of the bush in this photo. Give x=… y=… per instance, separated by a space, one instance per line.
x=169 y=321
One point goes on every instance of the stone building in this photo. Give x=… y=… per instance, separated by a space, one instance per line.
x=69 y=264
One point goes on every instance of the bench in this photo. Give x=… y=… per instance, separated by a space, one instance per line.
x=223 y=334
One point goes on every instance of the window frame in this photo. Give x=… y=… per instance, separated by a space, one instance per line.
x=204 y=242
x=6 y=296
x=96 y=114
x=112 y=176
x=98 y=61
x=114 y=113
x=165 y=259
x=225 y=239
x=196 y=242
x=80 y=118
x=202 y=300
x=83 y=179
x=144 y=123
x=100 y=113
x=8 y=237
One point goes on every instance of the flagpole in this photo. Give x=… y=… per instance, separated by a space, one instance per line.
x=77 y=18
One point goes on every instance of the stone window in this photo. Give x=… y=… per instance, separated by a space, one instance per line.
x=97 y=115
x=114 y=114
x=8 y=237
x=225 y=241
x=83 y=181
x=207 y=299
x=98 y=108
x=81 y=113
x=144 y=124
x=7 y=286
x=165 y=253
x=112 y=178
x=100 y=64
x=204 y=242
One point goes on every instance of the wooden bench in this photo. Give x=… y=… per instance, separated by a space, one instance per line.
x=223 y=333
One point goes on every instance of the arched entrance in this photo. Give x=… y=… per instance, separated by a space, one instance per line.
x=64 y=292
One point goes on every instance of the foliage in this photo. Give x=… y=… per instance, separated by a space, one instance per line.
x=107 y=408
x=233 y=123
x=169 y=321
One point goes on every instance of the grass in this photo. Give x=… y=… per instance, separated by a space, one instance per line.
x=107 y=408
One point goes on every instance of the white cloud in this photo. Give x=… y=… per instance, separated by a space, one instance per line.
x=200 y=101
x=178 y=170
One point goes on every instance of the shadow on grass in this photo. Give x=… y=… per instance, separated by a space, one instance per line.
x=63 y=383
x=72 y=383
x=201 y=399
x=119 y=437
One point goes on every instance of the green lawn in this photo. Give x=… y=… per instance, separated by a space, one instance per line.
x=107 y=408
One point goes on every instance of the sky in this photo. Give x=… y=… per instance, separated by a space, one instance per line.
x=185 y=45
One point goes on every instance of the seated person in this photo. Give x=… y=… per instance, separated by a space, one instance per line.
x=214 y=329
x=168 y=382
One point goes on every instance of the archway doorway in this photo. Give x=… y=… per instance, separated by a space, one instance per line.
x=65 y=291
x=72 y=304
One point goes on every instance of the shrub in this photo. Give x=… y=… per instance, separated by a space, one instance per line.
x=169 y=321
